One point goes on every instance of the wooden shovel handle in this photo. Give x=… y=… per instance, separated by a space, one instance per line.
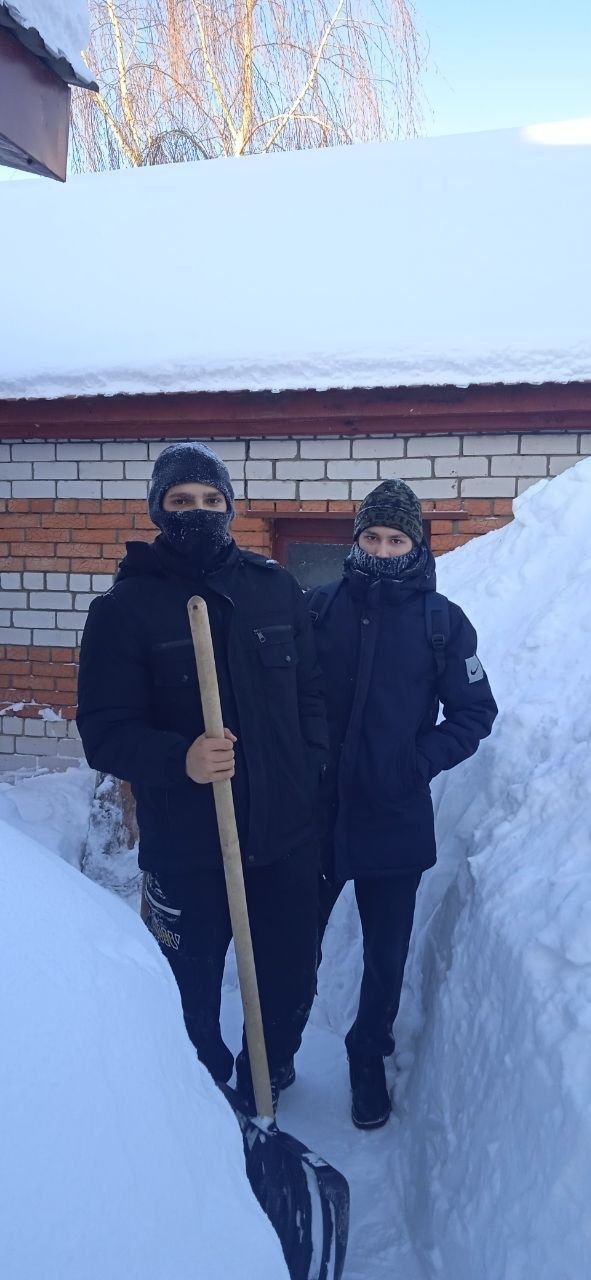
x=226 y=818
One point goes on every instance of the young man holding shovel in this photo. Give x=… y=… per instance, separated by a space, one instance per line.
x=141 y=720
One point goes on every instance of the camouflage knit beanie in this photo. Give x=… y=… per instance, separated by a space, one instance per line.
x=394 y=505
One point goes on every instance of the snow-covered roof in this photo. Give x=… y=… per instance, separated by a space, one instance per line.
x=439 y=261
x=54 y=30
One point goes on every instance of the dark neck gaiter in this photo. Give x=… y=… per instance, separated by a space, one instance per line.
x=198 y=536
x=395 y=569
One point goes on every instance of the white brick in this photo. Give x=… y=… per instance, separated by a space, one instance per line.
x=41 y=746
x=101 y=582
x=11 y=763
x=271 y=489
x=17 y=470
x=82 y=450
x=11 y=724
x=138 y=470
x=124 y=489
x=474 y=466
x=56 y=729
x=310 y=489
x=33 y=489
x=385 y=447
x=84 y=600
x=325 y=449
x=549 y=442
x=33 y=451
x=353 y=469
x=66 y=620
x=55 y=470
x=33 y=618
x=259 y=470
x=65 y=638
x=491 y=444
x=78 y=489
x=489 y=487
x=4 y=617
x=33 y=581
x=34 y=728
x=526 y=483
x=79 y=581
x=13 y=599
x=69 y=747
x=5 y=489
x=56 y=581
x=124 y=451
x=228 y=450
x=12 y=635
x=8 y=580
x=432 y=446
x=156 y=448
x=586 y=442
x=73 y=730
x=435 y=488
x=272 y=448
x=560 y=464
x=50 y=600
x=7 y=744
x=235 y=470
x=406 y=469
x=101 y=470
x=4 y=453
x=304 y=469
x=531 y=465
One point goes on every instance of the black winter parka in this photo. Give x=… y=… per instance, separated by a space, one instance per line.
x=383 y=696
x=139 y=707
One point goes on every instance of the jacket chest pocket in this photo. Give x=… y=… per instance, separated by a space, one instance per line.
x=276 y=646
x=173 y=665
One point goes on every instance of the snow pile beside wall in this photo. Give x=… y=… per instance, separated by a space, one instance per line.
x=119 y=1157
x=497 y=1155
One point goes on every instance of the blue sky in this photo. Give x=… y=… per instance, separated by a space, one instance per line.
x=495 y=64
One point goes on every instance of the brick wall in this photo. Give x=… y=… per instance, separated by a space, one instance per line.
x=66 y=510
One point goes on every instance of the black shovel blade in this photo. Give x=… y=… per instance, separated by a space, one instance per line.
x=305 y=1199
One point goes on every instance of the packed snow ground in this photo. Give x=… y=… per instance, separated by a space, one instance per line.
x=482 y=1172
x=494 y=288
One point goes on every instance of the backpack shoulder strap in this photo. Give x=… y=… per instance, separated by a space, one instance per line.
x=437 y=626
x=319 y=600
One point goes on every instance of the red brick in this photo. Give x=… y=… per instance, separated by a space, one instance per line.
x=76 y=549
x=44 y=563
x=64 y=520
x=478 y=506
x=16 y=651
x=441 y=526
x=41 y=535
x=11 y=563
x=427 y=504
x=262 y=504
x=503 y=507
x=476 y=526
x=313 y=505
x=23 y=548
x=109 y=522
x=42 y=504
x=63 y=655
x=347 y=507
x=18 y=504
x=96 y=565
x=66 y=504
x=19 y=520
x=15 y=668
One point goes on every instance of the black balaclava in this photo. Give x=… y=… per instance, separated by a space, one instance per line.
x=199 y=536
x=392 y=505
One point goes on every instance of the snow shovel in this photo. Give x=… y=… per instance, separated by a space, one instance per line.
x=305 y=1199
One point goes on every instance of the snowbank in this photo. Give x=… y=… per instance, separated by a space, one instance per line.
x=497 y=1152
x=63 y=26
x=119 y=1157
x=436 y=261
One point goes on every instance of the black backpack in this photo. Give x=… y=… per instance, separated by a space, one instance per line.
x=436 y=617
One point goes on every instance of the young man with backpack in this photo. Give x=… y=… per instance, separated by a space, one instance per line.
x=392 y=650
x=140 y=719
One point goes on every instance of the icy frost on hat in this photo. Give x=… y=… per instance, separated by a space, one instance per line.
x=394 y=505
x=185 y=462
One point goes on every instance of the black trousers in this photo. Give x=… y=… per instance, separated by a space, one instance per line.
x=386 y=908
x=190 y=920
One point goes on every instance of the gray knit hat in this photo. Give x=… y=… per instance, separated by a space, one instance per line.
x=394 y=505
x=182 y=463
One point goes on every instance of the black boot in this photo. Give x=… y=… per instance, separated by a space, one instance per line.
x=281 y=1078
x=371 y=1103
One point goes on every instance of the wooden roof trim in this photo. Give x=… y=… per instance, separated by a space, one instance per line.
x=416 y=411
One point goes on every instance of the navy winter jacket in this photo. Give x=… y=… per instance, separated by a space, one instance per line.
x=383 y=695
x=139 y=707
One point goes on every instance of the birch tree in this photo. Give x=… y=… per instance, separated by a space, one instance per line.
x=185 y=80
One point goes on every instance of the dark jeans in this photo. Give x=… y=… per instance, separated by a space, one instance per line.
x=190 y=920
x=386 y=909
